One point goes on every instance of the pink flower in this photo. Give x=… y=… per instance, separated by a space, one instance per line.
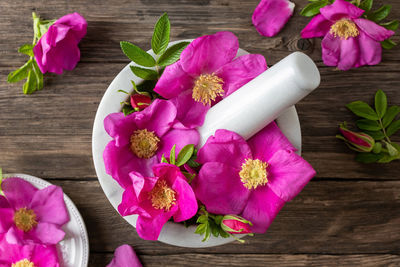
x=157 y=199
x=141 y=138
x=31 y=215
x=253 y=179
x=349 y=40
x=234 y=224
x=23 y=255
x=57 y=49
x=125 y=256
x=205 y=73
x=270 y=16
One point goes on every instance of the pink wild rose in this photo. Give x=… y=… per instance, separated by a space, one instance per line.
x=125 y=256
x=349 y=40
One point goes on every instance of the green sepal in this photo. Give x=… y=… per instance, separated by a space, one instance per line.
x=163 y=159
x=127 y=109
x=160 y=39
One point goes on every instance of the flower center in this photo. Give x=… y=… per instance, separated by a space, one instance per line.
x=23 y=263
x=206 y=88
x=144 y=144
x=162 y=196
x=25 y=219
x=253 y=173
x=344 y=28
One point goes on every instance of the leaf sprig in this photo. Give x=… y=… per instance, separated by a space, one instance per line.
x=210 y=224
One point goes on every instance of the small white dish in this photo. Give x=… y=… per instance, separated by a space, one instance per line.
x=172 y=233
x=73 y=250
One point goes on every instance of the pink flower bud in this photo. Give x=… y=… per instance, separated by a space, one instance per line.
x=234 y=224
x=140 y=102
x=360 y=142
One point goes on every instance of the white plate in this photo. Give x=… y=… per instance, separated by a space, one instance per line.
x=172 y=233
x=73 y=250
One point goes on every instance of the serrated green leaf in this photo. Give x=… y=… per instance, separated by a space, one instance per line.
x=202 y=219
x=391 y=25
x=172 y=54
x=146 y=74
x=391 y=113
x=137 y=55
x=313 y=8
x=30 y=84
x=20 y=73
x=26 y=49
x=200 y=229
x=393 y=128
x=380 y=13
x=366 y=5
x=184 y=155
x=365 y=124
x=377 y=135
x=363 y=110
x=160 y=39
x=368 y=157
x=172 y=155
x=207 y=233
x=38 y=76
x=214 y=229
x=380 y=103
x=388 y=44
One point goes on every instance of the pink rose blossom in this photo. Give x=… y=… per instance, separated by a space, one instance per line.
x=32 y=215
x=157 y=199
x=270 y=16
x=253 y=179
x=57 y=49
x=125 y=256
x=206 y=73
x=349 y=40
x=141 y=138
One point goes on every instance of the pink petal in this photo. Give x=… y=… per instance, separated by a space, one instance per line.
x=208 y=53
x=373 y=30
x=225 y=147
x=120 y=127
x=7 y=219
x=18 y=192
x=270 y=16
x=268 y=141
x=129 y=204
x=125 y=256
x=370 y=50
x=45 y=256
x=240 y=71
x=288 y=173
x=330 y=50
x=185 y=199
x=76 y=23
x=15 y=236
x=349 y=53
x=46 y=233
x=173 y=81
x=49 y=206
x=317 y=27
x=219 y=188
x=340 y=9
x=261 y=208
x=178 y=137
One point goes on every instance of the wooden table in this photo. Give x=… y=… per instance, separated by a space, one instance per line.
x=348 y=215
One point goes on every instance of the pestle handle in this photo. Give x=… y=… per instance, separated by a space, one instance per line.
x=263 y=99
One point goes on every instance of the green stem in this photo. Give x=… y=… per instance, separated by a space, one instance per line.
x=384 y=131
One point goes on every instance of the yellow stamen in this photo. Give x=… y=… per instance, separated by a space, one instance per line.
x=144 y=144
x=162 y=196
x=253 y=173
x=23 y=263
x=207 y=88
x=25 y=219
x=344 y=28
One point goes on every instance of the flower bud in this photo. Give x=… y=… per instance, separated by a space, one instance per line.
x=140 y=102
x=360 y=142
x=234 y=224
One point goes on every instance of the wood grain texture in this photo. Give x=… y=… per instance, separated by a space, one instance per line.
x=348 y=216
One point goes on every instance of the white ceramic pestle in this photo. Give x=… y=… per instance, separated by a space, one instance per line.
x=262 y=100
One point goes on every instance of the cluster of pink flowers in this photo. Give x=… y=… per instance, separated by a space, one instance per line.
x=30 y=224
x=247 y=180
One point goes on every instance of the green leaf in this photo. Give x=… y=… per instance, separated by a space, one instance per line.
x=207 y=233
x=20 y=73
x=368 y=157
x=223 y=233
x=218 y=219
x=201 y=229
x=127 y=109
x=393 y=152
x=312 y=9
x=391 y=113
x=146 y=74
x=391 y=25
x=172 y=54
x=44 y=26
x=160 y=39
x=369 y=125
x=363 y=110
x=30 y=84
x=137 y=55
x=380 y=103
x=377 y=135
x=26 y=49
x=184 y=155
x=388 y=44
x=214 y=229
x=380 y=14
x=366 y=5
x=393 y=128
x=172 y=155
x=163 y=159
x=38 y=76
x=202 y=219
